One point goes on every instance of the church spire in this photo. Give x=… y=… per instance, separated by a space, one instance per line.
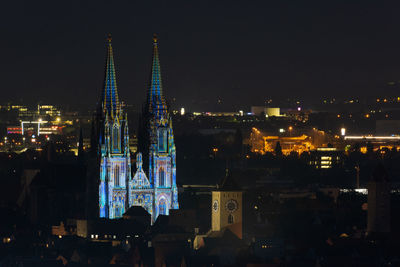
x=110 y=101
x=155 y=98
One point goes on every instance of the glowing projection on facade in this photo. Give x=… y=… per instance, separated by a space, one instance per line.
x=141 y=192
x=160 y=148
x=154 y=184
x=115 y=166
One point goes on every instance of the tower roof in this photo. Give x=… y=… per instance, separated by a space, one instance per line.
x=228 y=183
x=155 y=98
x=110 y=101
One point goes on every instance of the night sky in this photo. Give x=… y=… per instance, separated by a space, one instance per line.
x=241 y=52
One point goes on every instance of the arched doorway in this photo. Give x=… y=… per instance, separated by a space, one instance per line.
x=162 y=207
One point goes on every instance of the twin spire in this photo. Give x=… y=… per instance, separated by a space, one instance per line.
x=155 y=99
x=110 y=101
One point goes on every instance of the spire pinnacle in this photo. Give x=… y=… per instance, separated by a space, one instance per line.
x=110 y=101
x=156 y=102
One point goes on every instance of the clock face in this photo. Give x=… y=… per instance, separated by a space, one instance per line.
x=231 y=205
x=215 y=205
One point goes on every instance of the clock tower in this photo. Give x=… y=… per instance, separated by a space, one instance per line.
x=226 y=206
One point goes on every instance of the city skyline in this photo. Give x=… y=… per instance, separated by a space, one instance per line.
x=200 y=133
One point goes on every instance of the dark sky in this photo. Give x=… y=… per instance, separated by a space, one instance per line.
x=239 y=51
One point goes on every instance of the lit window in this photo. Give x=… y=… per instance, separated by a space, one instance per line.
x=116 y=174
x=230 y=218
x=162 y=177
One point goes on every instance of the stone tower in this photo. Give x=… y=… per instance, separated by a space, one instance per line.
x=227 y=207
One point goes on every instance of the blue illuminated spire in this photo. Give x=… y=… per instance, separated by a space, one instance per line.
x=156 y=102
x=110 y=102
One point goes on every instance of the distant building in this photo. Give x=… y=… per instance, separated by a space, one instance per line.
x=224 y=240
x=115 y=231
x=325 y=157
x=46 y=112
x=374 y=141
x=267 y=111
x=379 y=202
x=257 y=110
x=262 y=144
x=270 y=112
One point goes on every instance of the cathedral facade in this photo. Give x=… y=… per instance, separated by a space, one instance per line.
x=115 y=163
x=153 y=184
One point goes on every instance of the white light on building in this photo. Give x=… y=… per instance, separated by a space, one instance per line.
x=182 y=111
x=343 y=131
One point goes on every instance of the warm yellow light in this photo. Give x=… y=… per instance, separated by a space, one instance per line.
x=290 y=128
x=58 y=119
x=338 y=115
x=366 y=115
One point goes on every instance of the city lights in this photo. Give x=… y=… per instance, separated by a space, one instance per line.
x=144 y=164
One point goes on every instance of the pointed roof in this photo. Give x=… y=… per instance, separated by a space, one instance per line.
x=228 y=183
x=155 y=98
x=110 y=101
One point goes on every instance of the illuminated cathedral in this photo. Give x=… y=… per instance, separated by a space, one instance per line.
x=115 y=163
x=153 y=186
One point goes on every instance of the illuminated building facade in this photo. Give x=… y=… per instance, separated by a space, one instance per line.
x=227 y=211
x=141 y=192
x=115 y=166
x=153 y=186
x=262 y=144
x=158 y=145
x=326 y=158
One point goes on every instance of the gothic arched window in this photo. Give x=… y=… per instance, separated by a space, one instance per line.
x=161 y=175
x=117 y=212
x=116 y=175
x=115 y=137
x=230 y=218
x=162 y=140
x=162 y=207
